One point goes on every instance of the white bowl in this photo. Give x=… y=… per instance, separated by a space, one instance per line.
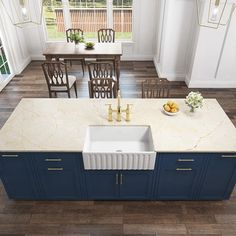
x=170 y=113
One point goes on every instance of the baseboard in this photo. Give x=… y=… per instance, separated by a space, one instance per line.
x=23 y=65
x=37 y=57
x=137 y=58
x=169 y=76
x=213 y=83
x=5 y=82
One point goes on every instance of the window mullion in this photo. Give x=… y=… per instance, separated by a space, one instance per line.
x=110 y=13
x=66 y=13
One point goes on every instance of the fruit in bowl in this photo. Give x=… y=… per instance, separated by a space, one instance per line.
x=171 y=108
x=89 y=45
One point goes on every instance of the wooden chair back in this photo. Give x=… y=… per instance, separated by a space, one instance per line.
x=102 y=88
x=155 y=88
x=71 y=31
x=106 y=36
x=56 y=74
x=100 y=70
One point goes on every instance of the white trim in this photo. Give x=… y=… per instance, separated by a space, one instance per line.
x=169 y=76
x=212 y=83
x=24 y=64
x=5 y=82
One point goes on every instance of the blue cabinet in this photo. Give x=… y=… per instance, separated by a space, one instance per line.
x=61 y=176
x=178 y=176
x=102 y=185
x=220 y=177
x=17 y=176
x=136 y=185
x=119 y=185
x=58 y=175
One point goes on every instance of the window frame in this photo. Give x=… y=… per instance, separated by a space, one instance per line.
x=68 y=23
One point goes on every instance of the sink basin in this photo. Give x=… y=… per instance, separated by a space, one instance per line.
x=119 y=148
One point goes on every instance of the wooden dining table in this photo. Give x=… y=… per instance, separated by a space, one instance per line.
x=64 y=50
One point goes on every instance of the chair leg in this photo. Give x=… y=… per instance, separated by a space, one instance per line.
x=68 y=93
x=75 y=90
x=50 y=94
x=83 y=65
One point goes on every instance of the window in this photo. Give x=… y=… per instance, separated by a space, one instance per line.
x=90 y=16
x=4 y=66
x=54 y=19
x=122 y=18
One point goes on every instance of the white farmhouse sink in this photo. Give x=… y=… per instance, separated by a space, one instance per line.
x=119 y=148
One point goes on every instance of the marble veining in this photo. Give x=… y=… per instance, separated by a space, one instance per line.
x=60 y=125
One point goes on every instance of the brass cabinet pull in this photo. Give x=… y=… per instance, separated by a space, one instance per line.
x=186 y=160
x=117 y=179
x=184 y=169
x=228 y=156
x=8 y=155
x=121 y=179
x=54 y=160
x=55 y=169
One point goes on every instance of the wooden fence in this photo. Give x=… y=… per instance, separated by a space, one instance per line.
x=91 y=20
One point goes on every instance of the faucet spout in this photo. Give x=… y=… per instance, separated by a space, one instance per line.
x=118 y=98
x=118 y=106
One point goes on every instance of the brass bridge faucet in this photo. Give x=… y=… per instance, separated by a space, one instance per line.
x=118 y=111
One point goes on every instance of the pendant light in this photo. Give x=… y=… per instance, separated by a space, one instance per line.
x=213 y=13
x=24 y=12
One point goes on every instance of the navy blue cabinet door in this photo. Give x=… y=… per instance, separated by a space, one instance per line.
x=102 y=185
x=16 y=176
x=58 y=175
x=220 y=177
x=178 y=176
x=136 y=185
x=58 y=184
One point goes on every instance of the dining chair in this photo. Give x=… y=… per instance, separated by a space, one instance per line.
x=156 y=88
x=57 y=78
x=101 y=70
x=102 y=88
x=106 y=35
x=69 y=33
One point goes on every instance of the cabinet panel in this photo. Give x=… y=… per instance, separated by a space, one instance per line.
x=136 y=185
x=58 y=184
x=220 y=178
x=176 y=185
x=59 y=175
x=102 y=184
x=178 y=176
x=17 y=177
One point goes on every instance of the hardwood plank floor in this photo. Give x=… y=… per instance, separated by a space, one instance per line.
x=95 y=218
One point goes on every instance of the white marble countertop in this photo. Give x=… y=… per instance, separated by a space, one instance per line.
x=59 y=125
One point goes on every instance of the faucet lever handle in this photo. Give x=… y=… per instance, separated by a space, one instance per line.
x=109 y=112
x=127 y=111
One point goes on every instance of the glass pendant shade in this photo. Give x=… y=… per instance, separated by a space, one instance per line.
x=213 y=13
x=23 y=12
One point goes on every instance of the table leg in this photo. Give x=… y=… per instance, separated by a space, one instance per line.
x=117 y=62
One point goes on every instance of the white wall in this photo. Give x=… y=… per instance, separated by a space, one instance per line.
x=215 y=58
x=174 y=39
x=142 y=47
x=14 y=43
x=200 y=56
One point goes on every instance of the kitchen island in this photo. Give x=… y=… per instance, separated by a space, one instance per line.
x=42 y=142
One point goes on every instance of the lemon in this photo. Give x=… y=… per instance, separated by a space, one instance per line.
x=167 y=107
x=173 y=110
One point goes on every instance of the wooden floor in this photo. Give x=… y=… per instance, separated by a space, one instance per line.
x=107 y=217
